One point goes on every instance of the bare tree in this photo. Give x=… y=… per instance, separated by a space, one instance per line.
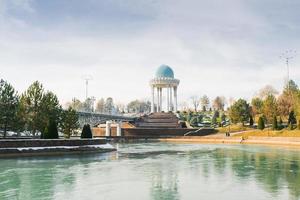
x=100 y=106
x=195 y=102
x=266 y=91
x=219 y=103
x=204 y=100
x=184 y=106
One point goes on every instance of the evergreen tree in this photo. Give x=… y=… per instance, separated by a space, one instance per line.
x=8 y=106
x=261 y=123
x=51 y=131
x=69 y=122
x=251 y=121
x=32 y=100
x=239 y=111
x=274 y=124
x=270 y=108
x=86 y=132
x=292 y=120
x=50 y=109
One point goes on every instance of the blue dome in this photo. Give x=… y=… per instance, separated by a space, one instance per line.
x=164 y=71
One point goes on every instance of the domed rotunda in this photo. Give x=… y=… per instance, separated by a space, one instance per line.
x=164 y=78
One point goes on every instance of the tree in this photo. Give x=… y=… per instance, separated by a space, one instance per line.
x=239 y=111
x=88 y=105
x=204 y=100
x=292 y=120
x=86 y=131
x=138 y=106
x=274 y=124
x=69 y=122
x=219 y=103
x=257 y=105
x=50 y=108
x=223 y=117
x=251 y=121
x=291 y=87
x=32 y=99
x=215 y=117
x=270 y=107
x=280 y=125
x=261 y=123
x=285 y=104
x=76 y=104
x=51 y=131
x=109 y=105
x=100 y=106
x=8 y=106
x=20 y=119
x=195 y=101
x=267 y=91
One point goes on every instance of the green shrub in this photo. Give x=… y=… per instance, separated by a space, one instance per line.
x=261 y=123
x=86 y=131
x=51 y=131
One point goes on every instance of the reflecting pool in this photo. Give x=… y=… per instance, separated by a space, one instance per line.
x=157 y=171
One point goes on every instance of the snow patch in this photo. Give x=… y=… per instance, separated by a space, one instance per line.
x=101 y=146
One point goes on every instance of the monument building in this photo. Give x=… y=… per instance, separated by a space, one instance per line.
x=164 y=83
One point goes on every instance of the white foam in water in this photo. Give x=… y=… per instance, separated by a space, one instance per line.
x=102 y=146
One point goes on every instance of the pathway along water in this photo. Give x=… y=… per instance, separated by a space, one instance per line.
x=157 y=171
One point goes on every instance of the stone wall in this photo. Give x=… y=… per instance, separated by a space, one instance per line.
x=163 y=132
x=49 y=143
x=152 y=132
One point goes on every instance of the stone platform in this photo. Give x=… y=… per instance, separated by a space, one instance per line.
x=155 y=125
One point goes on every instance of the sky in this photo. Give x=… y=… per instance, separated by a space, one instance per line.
x=228 y=48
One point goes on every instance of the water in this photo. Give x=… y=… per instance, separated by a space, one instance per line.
x=157 y=171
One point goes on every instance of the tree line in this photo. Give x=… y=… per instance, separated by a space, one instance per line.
x=269 y=107
x=35 y=111
x=108 y=106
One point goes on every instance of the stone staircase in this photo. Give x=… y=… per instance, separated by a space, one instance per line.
x=158 y=120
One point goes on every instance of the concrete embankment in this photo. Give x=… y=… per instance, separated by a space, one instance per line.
x=33 y=147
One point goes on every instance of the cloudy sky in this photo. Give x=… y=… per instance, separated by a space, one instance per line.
x=215 y=47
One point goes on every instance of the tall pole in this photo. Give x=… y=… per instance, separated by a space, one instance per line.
x=87 y=78
x=287 y=56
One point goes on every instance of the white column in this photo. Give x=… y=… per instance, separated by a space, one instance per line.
x=119 y=129
x=161 y=100
x=175 y=99
x=107 y=128
x=158 y=98
x=168 y=99
x=152 y=101
x=171 y=99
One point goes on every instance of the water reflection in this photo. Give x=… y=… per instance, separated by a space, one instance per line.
x=157 y=171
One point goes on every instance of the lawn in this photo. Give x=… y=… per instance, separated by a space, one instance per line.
x=270 y=133
x=233 y=128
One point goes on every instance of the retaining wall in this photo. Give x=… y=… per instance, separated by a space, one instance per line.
x=15 y=143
